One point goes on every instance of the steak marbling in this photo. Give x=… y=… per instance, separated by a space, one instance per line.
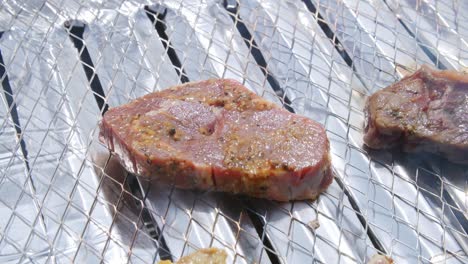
x=427 y=111
x=218 y=135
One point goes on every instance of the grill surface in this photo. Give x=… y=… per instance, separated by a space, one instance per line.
x=64 y=62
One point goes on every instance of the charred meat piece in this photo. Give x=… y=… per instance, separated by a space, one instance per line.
x=218 y=135
x=427 y=111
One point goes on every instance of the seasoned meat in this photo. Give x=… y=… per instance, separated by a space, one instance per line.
x=218 y=135
x=202 y=256
x=427 y=111
x=380 y=259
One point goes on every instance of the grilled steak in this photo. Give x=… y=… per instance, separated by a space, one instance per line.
x=218 y=135
x=427 y=111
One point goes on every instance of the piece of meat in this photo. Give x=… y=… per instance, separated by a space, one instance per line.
x=218 y=135
x=380 y=259
x=202 y=256
x=427 y=111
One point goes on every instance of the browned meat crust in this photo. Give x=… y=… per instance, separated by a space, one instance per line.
x=427 y=111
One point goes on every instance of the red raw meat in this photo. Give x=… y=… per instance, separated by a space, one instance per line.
x=218 y=135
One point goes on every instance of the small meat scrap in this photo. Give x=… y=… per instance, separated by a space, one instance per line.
x=380 y=259
x=314 y=224
x=202 y=256
x=218 y=135
x=426 y=111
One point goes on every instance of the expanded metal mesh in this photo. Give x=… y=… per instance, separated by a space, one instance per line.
x=64 y=198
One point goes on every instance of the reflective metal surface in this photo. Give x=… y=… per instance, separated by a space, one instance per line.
x=64 y=198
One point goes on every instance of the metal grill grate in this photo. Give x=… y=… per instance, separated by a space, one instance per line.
x=64 y=62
